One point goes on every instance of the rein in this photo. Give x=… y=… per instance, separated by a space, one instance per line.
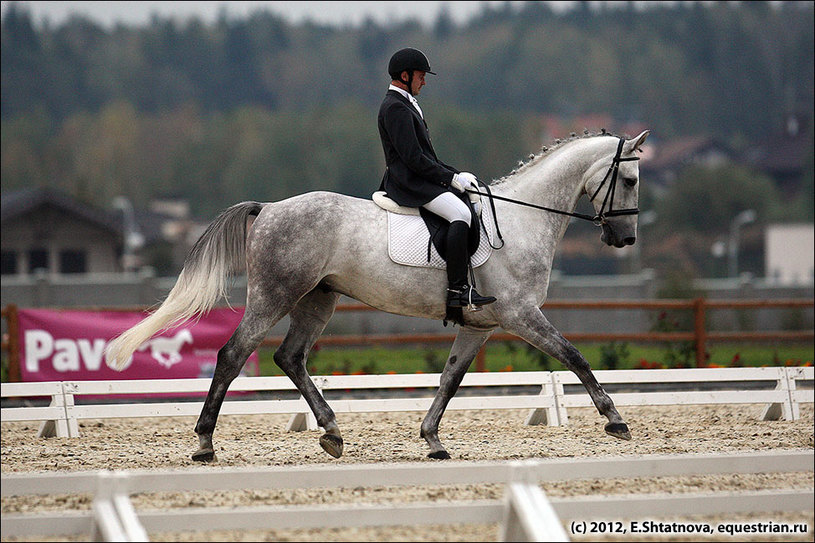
x=598 y=219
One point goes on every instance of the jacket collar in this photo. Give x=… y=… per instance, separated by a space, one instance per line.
x=408 y=99
x=399 y=91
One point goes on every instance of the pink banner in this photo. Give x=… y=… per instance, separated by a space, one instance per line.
x=66 y=345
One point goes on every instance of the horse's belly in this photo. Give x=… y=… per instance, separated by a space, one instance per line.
x=389 y=287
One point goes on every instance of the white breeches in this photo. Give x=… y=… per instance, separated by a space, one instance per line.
x=449 y=207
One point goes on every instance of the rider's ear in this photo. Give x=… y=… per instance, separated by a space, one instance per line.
x=636 y=143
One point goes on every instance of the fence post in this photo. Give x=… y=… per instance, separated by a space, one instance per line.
x=13 y=319
x=794 y=411
x=548 y=415
x=300 y=422
x=528 y=513
x=114 y=518
x=480 y=359
x=68 y=391
x=699 y=331
x=59 y=426
x=559 y=393
x=777 y=411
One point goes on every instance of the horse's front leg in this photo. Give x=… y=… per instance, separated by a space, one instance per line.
x=532 y=326
x=465 y=348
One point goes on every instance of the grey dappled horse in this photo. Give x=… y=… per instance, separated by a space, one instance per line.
x=302 y=253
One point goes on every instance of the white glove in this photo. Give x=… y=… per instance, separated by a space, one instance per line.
x=463 y=181
x=475 y=199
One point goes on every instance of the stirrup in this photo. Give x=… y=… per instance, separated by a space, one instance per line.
x=467 y=296
x=470 y=305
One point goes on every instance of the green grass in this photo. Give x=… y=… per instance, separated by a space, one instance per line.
x=516 y=356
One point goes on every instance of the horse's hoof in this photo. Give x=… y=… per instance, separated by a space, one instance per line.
x=204 y=455
x=331 y=444
x=619 y=430
x=439 y=455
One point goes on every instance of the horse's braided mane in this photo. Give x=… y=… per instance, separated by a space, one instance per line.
x=547 y=150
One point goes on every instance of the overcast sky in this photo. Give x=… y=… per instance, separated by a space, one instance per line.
x=337 y=12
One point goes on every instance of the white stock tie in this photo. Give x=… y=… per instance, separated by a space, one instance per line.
x=416 y=105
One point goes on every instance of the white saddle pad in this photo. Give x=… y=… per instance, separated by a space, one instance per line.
x=408 y=238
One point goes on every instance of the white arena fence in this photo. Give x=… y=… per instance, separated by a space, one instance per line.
x=549 y=406
x=525 y=513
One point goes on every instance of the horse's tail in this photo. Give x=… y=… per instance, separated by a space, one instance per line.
x=216 y=255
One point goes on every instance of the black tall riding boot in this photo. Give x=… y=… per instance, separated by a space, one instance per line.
x=459 y=292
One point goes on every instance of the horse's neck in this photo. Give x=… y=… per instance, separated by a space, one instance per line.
x=554 y=181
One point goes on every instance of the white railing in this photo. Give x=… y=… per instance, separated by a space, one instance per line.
x=550 y=406
x=781 y=403
x=525 y=514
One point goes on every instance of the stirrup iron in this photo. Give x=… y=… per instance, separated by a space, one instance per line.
x=470 y=305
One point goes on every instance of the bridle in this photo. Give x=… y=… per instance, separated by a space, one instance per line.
x=613 y=170
x=602 y=215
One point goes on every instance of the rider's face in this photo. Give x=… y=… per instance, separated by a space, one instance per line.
x=418 y=82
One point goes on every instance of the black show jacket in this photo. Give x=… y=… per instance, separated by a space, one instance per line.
x=413 y=175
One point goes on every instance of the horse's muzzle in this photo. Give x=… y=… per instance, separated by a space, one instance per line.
x=610 y=238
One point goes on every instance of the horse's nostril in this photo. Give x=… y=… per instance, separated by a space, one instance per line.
x=630 y=240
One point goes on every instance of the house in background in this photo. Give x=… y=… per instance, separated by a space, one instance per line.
x=789 y=253
x=45 y=229
x=784 y=156
x=667 y=159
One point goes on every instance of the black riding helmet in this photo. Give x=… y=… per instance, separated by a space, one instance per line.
x=408 y=60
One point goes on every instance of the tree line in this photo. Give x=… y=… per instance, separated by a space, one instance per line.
x=258 y=108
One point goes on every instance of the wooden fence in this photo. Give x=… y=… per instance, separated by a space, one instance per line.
x=700 y=336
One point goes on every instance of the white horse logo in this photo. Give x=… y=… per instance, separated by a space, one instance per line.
x=167 y=350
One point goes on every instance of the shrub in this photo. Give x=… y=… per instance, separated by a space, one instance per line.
x=614 y=355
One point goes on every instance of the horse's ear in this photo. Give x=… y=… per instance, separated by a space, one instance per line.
x=636 y=143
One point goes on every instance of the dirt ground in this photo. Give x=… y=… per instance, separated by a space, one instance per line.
x=261 y=440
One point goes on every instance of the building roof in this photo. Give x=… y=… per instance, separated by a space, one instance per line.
x=20 y=202
x=675 y=153
x=787 y=151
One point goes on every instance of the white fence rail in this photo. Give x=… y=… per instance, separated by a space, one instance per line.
x=781 y=402
x=549 y=406
x=525 y=514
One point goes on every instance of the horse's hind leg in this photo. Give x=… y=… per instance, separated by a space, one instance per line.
x=308 y=320
x=465 y=348
x=231 y=358
x=536 y=329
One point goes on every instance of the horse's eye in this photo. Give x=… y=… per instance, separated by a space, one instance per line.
x=630 y=181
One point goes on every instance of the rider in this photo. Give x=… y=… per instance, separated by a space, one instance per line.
x=415 y=177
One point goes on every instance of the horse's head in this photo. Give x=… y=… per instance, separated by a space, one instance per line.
x=612 y=184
